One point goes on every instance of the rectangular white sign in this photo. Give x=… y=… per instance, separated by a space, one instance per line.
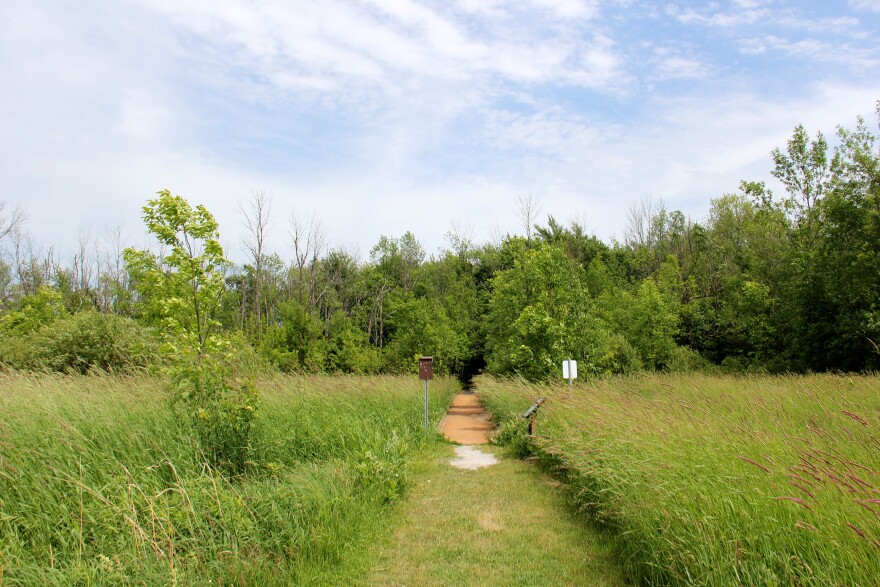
x=569 y=369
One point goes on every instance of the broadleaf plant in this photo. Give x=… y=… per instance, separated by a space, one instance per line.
x=182 y=292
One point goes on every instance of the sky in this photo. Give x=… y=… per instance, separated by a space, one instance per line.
x=387 y=116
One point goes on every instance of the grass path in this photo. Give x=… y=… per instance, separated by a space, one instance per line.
x=500 y=525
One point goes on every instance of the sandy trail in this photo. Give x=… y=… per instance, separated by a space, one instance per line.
x=466 y=422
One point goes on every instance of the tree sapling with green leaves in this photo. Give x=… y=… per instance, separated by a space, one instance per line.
x=182 y=291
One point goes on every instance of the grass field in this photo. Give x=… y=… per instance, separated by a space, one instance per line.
x=717 y=480
x=101 y=485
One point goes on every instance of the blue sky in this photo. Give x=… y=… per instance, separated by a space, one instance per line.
x=383 y=116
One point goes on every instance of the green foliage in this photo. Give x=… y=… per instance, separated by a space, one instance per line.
x=546 y=309
x=89 y=340
x=295 y=342
x=42 y=336
x=349 y=349
x=513 y=434
x=399 y=259
x=651 y=326
x=534 y=309
x=36 y=311
x=684 y=360
x=220 y=411
x=183 y=291
x=421 y=327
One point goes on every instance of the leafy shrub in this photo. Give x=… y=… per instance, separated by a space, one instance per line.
x=384 y=473
x=349 y=349
x=686 y=360
x=85 y=341
x=36 y=311
x=293 y=345
x=622 y=357
x=89 y=340
x=513 y=435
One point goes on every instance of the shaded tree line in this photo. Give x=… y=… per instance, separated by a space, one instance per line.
x=773 y=282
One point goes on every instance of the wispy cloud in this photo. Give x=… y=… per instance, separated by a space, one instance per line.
x=366 y=109
x=857 y=58
x=872 y=5
x=681 y=68
x=739 y=13
x=364 y=44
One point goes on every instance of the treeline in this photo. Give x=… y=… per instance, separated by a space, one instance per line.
x=766 y=282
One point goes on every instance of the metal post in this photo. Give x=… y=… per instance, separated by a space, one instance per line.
x=426 y=405
x=426 y=372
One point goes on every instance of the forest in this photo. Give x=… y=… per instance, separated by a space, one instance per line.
x=766 y=282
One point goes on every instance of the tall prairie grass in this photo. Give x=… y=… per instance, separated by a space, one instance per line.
x=101 y=485
x=717 y=480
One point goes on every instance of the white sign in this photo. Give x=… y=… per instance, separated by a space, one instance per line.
x=569 y=369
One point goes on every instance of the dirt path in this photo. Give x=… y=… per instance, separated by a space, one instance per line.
x=466 y=421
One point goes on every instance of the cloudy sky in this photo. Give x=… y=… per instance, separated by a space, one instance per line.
x=384 y=116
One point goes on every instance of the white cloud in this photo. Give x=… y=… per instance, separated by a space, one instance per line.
x=386 y=116
x=676 y=67
x=752 y=46
x=741 y=13
x=569 y=8
x=364 y=45
x=142 y=117
x=871 y=5
x=815 y=50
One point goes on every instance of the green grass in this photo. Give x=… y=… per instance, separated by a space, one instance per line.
x=718 y=480
x=101 y=485
x=501 y=525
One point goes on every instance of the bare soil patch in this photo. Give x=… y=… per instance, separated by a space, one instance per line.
x=466 y=421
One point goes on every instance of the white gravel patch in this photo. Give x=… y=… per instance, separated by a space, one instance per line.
x=470 y=457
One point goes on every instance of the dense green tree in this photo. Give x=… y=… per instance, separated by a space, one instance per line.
x=778 y=282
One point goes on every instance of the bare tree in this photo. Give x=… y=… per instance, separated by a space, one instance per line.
x=641 y=228
x=85 y=263
x=113 y=278
x=496 y=237
x=10 y=225
x=460 y=237
x=528 y=208
x=30 y=268
x=11 y=221
x=581 y=224
x=256 y=220
x=309 y=240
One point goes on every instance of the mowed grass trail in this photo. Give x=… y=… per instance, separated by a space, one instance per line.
x=500 y=525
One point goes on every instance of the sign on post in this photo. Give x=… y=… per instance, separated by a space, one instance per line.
x=569 y=370
x=426 y=368
x=426 y=373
